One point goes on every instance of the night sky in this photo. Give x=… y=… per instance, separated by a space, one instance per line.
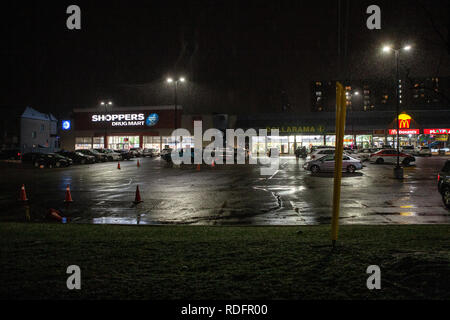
x=238 y=56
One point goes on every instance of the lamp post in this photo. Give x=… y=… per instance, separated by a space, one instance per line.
x=175 y=83
x=398 y=170
x=106 y=104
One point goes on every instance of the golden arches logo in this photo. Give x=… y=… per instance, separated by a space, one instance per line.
x=404 y=121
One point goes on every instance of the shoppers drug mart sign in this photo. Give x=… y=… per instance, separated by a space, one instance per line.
x=121 y=120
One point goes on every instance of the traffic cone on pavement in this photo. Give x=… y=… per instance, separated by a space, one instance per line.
x=118 y=165
x=138 y=164
x=68 y=195
x=23 y=194
x=137 y=198
x=198 y=167
x=213 y=164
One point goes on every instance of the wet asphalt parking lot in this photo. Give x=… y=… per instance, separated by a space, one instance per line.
x=223 y=195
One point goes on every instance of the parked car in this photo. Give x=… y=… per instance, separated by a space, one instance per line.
x=77 y=157
x=319 y=153
x=10 y=154
x=444 y=183
x=166 y=154
x=364 y=154
x=30 y=156
x=408 y=149
x=125 y=154
x=423 y=151
x=165 y=151
x=390 y=156
x=52 y=160
x=136 y=151
x=326 y=164
x=99 y=157
x=110 y=155
x=150 y=152
x=315 y=148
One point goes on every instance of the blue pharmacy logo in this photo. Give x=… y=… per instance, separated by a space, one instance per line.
x=66 y=125
x=152 y=119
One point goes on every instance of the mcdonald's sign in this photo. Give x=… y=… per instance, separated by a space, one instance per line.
x=404 y=121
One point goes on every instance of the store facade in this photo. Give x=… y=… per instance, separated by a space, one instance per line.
x=152 y=127
x=124 y=128
x=363 y=130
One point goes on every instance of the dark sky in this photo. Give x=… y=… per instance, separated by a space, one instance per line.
x=239 y=56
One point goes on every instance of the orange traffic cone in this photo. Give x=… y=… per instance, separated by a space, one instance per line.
x=198 y=167
x=213 y=164
x=23 y=194
x=118 y=165
x=54 y=214
x=68 y=195
x=138 y=164
x=137 y=198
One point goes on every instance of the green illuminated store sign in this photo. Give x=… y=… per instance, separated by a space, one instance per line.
x=298 y=129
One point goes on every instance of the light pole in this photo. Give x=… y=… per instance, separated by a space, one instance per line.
x=106 y=104
x=398 y=170
x=175 y=83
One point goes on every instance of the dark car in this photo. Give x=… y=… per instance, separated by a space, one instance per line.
x=52 y=160
x=444 y=184
x=125 y=154
x=136 y=151
x=29 y=157
x=77 y=157
x=99 y=157
x=11 y=154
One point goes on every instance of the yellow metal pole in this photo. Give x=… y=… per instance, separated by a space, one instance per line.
x=340 y=129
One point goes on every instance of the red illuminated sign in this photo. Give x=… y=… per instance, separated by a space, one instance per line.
x=436 y=131
x=404 y=132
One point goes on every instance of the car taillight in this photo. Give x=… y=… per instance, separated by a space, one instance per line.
x=439 y=177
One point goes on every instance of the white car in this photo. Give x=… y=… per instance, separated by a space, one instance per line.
x=323 y=152
x=423 y=151
x=364 y=154
x=112 y=156
x=319 y=153
x=408 y=149
x=390 y=156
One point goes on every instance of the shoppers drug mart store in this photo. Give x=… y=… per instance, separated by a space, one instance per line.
x=123 y=128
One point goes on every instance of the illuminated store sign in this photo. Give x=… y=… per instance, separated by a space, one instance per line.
x=404 y=132
x=436 y=131
x=121 y=120
x=404 y=121
x=66 y=125
x=298 y=129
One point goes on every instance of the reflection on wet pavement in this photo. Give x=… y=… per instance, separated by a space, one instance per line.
x=225 y=194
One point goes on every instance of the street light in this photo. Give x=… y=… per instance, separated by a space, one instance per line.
x=175 y=82
x=106 y=104
x=398 y=171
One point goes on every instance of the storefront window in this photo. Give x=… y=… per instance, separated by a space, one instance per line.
x=152 y=142
x=259 y=145
x=364 y=141
x=187 y=142
x=98 y=142
x=83 y=143
x=379 y=141
x=310 y=141
x=348 y=141
x=120 y=143
x=331 y=140
x=170 y=142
